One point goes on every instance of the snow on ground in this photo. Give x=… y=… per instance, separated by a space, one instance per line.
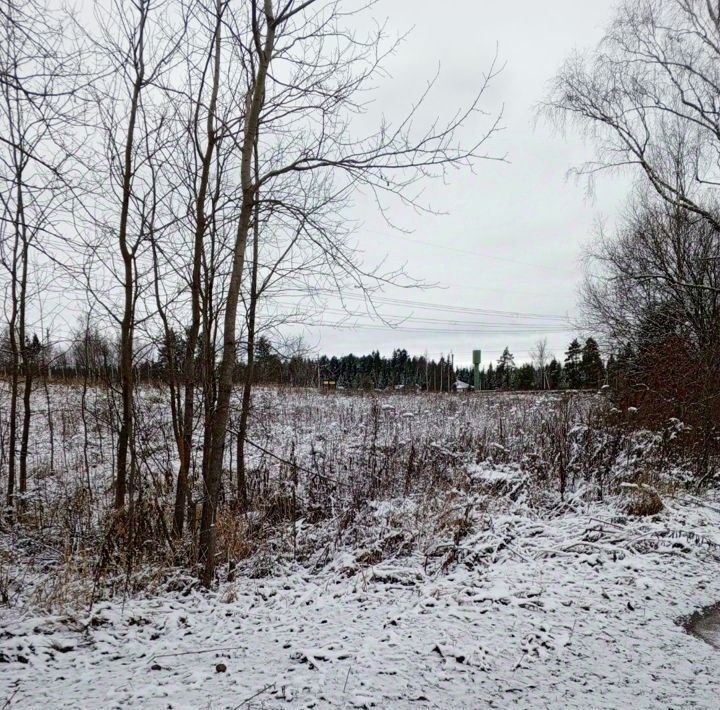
x=479 y=588
x=574 y=611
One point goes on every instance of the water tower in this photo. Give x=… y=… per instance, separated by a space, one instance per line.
x=476 y=368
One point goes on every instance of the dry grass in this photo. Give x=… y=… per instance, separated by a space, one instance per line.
x=325 y=466
x=641 y=500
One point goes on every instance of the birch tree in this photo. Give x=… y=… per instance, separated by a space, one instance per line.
x=647 y=97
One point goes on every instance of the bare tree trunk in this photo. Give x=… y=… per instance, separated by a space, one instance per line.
x=14 y=376
x=48 y=402
x=250 y=369
x=25 y=436
x=17 y=316
x=22 y=338
x=189 y=375
x=227 y=364
x=128 y=319
x=12 y=434
x=83 y=408
x=170 y=341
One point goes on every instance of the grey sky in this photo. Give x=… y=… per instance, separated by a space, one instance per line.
x=525 y=214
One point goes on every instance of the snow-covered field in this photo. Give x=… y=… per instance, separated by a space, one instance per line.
x=488 y=593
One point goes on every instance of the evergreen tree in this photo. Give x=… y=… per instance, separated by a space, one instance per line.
x=489 y=378
x=612 y=369
x=625 y=358
x=397 y=366
x=524 y=377
x=622 y=366
x=173 y=343
x=573 y=359
x=505 y=369
x=591 y=365
x=268 y=366
x=554 y=374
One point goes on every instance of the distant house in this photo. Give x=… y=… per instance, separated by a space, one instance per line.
x=461 y=386
x=328 y=385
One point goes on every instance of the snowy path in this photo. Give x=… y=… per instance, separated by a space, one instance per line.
x=546 y=626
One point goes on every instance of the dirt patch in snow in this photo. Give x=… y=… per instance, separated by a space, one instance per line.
x=705 y=624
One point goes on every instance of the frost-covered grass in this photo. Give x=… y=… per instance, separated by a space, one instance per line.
x=400 y=551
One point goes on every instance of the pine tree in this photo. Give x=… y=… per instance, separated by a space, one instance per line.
x=591 y=365
x=573 y=359
x=612 y=369
x=524 y=377
x=170 y=351
x=625 y=359
x=625 y=366
x=505 y=369
x=489 y=376
x=554 y=374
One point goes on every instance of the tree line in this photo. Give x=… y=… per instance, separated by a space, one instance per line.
x=581 y=368
x=93 y=356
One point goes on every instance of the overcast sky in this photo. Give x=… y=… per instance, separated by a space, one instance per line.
x=513 y=233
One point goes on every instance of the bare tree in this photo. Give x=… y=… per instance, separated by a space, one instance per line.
x=222 y=146
x=35 y=90
x=654 y=291
x=541 y=357
x=659 y=274
x=648 y=97
x=206 y=155
x=320 y=70
x=141 y=47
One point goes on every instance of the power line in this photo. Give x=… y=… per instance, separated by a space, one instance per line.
x=488 y=289
x=468 y=252
x=424 y=305
x=470 y=310
x=442 y=331
x=399 y=320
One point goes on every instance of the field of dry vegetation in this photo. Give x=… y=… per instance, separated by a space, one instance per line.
x=396 y=549
x=318 y=466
